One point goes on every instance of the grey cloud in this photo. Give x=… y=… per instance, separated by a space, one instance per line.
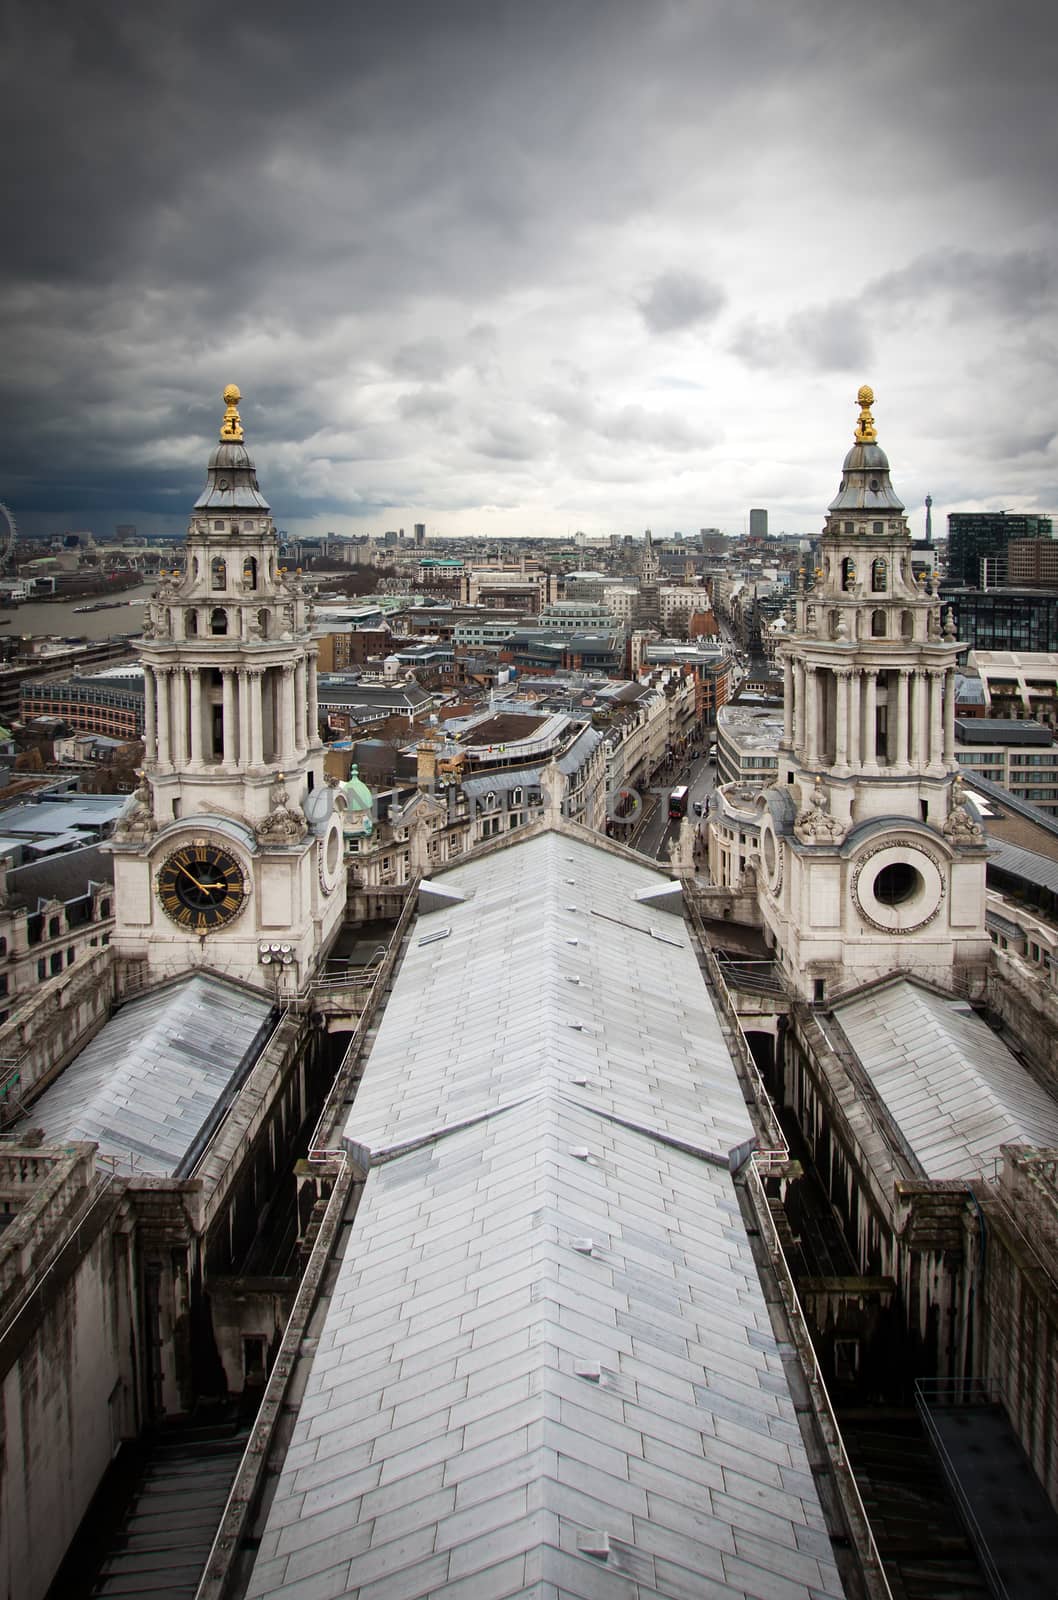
x=678 y=300
x=829 y=338
x=508 y=442
x=286 y=198
x=426 y=404
x=1018 y=283
x=427 y=358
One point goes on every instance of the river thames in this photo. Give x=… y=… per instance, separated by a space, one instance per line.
x=60 y=617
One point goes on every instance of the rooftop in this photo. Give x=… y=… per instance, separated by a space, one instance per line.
x=145 y=1087
x=548 y=1364
x=951 y=1084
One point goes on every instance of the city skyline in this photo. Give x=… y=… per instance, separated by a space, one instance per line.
x=510 y=271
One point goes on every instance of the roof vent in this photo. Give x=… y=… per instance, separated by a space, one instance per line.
x=594 y=1542
x=583 y=1247
x=432 y=938
x=590 y=1371
x=580 y=1152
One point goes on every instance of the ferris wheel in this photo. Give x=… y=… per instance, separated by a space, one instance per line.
x=8 y=534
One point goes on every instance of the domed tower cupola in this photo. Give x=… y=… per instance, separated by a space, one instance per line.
x=865 y=488
x=231 y=478
x=868 y=858
x=234 y=840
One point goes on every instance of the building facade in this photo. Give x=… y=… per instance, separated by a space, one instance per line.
x=973 y=535
x=865 y=840
x=232 y=842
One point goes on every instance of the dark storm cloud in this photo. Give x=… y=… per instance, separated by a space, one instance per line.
x=385 y=221
x=678 y=300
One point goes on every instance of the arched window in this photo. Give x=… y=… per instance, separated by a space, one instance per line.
x=218 y=573
x=516 y=797
x=877 y=624
x=249 y=572
x=191 y=623
x=878 y=574
x=218 y=621
x=848 y=573
x=907 y=625
x=263 y=620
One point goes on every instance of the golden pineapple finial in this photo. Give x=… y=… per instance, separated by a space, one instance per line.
x=231 y=427
x=865 y=432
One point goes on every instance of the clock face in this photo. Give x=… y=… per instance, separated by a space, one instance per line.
x=201 y=886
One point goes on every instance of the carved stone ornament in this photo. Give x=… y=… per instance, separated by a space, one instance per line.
x=814 y=824
x=136 y=820
x=959 y=828
x=284 y=824
x=920 y=858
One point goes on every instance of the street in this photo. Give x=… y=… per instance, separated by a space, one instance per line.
x=700 y=777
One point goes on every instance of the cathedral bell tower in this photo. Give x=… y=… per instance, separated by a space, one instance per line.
x=869 y=859
x=229 y=855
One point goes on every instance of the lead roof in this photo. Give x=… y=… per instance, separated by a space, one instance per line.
x=145 y=1087
x=548 y=1366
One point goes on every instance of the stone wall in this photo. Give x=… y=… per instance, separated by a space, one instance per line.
x=67 y=1355
x=1028 y=1006
x=50 y=1027
x=1018 y=1344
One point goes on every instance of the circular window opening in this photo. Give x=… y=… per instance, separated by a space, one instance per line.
x=333 y=849
x=897 y=883
x=769 y=855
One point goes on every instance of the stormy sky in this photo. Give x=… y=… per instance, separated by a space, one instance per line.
x=526 y=268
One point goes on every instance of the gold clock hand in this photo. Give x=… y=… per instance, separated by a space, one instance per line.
x=198 y=881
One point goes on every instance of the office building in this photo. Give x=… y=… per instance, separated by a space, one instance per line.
x=973 y=534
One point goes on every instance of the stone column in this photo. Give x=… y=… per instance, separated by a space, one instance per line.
x=195 y=685
x=150 y=720
x=936 y=721
x=903 y=698
x=244 y=717
x=811 y=713
x=949 y=718
x=179 y=699
x=300 y=704
x=164 y=679
x=920 y=726
x=256 y=677
x=841 y=721
x=787 y=701
x=855 y=692
x=286 y=716
x=799 y=707
x=870 y=721
x=314 y=704
x=231 y=748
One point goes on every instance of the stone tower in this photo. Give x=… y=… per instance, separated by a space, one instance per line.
x=869 y=858
x=230 y=853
